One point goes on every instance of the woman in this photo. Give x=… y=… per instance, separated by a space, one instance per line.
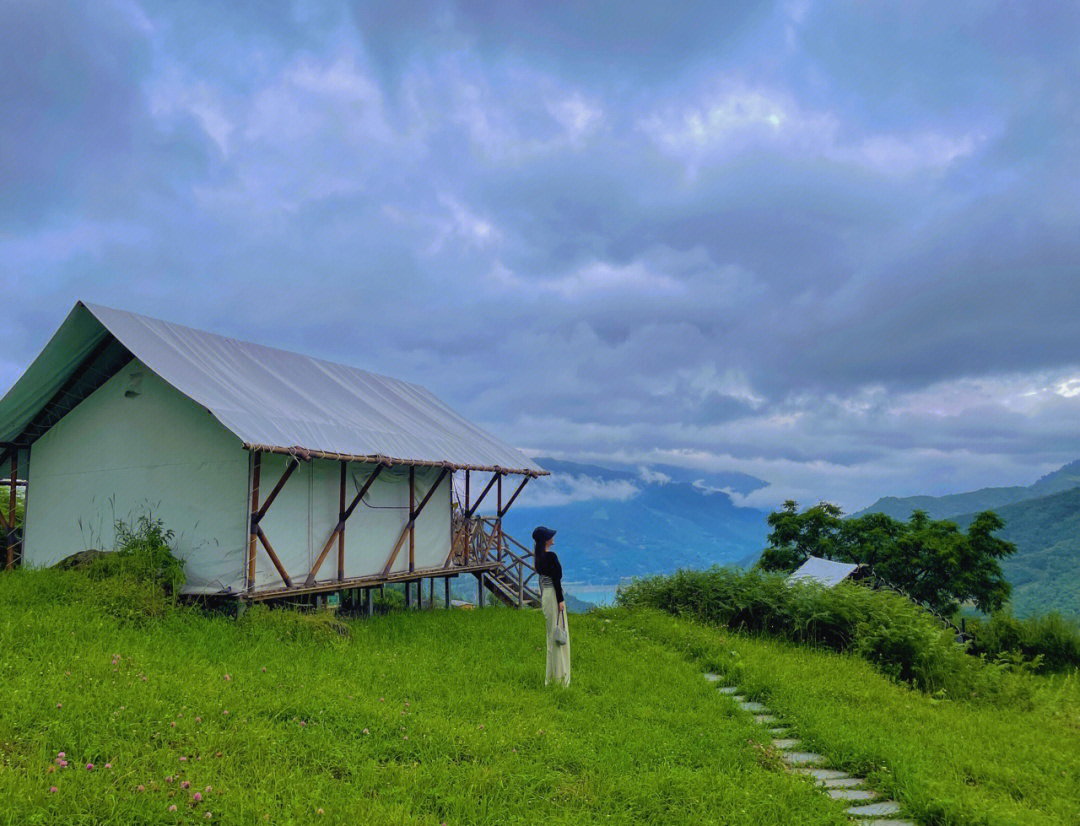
x=550 y=571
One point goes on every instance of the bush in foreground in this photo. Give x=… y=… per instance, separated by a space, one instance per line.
x=899 y=637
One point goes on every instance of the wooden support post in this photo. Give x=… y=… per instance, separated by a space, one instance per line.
x=408 y=529
x=368 y=608
x=412 y=518
x=11 y=509
x=466 y=491
x=340 y=526
x=480 y=590
x=408 y=596
x=504 y=508
x=498 y=524
x=446 y=589
x=483 y=493
x=256 y=463
x=289 y=470
x=431 y=593
x=341 y=531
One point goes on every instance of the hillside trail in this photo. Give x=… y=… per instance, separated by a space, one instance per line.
x=865 y=805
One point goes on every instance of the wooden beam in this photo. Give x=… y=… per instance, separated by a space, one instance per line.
x=412 y=518
x=506 y=507
x=483 y=493
x=273 y=557
x=11 y=510
x=293 y=465
x=467 y=474
x=341 y=520
x=397 y=548
x=340 y=526
x=256 y=463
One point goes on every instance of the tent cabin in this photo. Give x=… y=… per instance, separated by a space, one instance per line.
x=279 y=474
x=826 y=572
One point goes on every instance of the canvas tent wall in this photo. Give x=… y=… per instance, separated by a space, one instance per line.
x=122 y=414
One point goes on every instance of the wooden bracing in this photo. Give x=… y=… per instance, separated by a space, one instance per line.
x=477 y=545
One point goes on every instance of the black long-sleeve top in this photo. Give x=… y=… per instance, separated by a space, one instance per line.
x=547 y=564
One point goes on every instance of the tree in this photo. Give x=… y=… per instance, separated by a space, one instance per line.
x=930 y=560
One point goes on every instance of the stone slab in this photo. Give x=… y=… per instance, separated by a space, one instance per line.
x=802 y=758
x=843 y=782
x=778 y=732
x=886 y=807
x=852 y=794
x=822 y=774
x=728 y=689
x=891 y=821
x=738 y=698
x=785 y=743
x=764 y=718
x=750 y=705
x=712 y=678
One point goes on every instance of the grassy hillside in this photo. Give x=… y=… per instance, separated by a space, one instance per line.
x=1011 y=762
x=419 y=718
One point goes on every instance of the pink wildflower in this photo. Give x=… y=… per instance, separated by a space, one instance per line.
x=406 y=705
x=63 y=764
x=303 y=723
x=183 y=758
x=169 y=779
x=173 y=724
x=108 y=765
x=208 y=789
x=228 y=679
x=52 y=789
x=319 y=812
x=197 y=796
x=61 y=755
x=185 y=784
x=140 y=788
x=59 y=705
x=481 y=725
x=382 y=699
x=198 y=719
x=406 y=737
x=144 y=678
x=172 y=808
x=226 y=711
x=89 y=767
x=264 y=668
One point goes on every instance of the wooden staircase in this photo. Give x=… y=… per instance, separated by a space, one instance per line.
x=514 y=580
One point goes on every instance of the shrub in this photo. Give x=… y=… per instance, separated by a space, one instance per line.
x=143 y=552
x=1045 y=643
x=900 y=638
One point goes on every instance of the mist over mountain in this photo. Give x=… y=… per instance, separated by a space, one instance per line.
x=616 y=522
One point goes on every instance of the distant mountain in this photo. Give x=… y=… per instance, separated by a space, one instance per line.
x=629 y=523
x=941 y=507
x=1042 y=519
x=1045 y=571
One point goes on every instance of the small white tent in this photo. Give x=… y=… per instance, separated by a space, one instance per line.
x=233 y=445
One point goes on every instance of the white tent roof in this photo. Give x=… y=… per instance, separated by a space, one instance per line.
x=270 y=399
x=824 y=571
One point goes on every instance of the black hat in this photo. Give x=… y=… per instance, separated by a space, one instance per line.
x=542 y=534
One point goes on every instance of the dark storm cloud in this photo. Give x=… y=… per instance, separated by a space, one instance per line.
x=832 y=246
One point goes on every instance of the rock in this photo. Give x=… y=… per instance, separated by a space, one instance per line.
x=82 y=559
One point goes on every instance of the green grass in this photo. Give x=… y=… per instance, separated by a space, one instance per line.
x=1010 y=760
x=639 y=737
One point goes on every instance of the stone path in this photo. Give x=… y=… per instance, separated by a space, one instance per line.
x=864 y=808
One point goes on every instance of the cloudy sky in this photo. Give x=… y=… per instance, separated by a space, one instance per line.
x=833 y=245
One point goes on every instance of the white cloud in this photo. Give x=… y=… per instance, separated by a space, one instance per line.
x=736 y=117
x=564 y=489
